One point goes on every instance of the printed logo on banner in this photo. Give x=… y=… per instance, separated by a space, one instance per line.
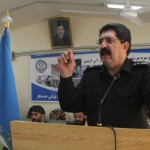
x=5 y=139
x=41 y=66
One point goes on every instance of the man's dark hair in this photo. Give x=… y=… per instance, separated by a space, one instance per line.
x=122 y=33
x=35 y=108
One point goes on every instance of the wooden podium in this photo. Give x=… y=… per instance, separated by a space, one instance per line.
x=45 y=136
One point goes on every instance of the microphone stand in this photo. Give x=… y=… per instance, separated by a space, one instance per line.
x=99 y=122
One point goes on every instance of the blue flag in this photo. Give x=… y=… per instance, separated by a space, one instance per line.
x=9 y=107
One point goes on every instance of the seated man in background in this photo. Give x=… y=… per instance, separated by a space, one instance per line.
x=36 y=113
x=58 y=116
x=79 y=118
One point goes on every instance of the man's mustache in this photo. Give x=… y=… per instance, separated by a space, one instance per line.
x=105 y=51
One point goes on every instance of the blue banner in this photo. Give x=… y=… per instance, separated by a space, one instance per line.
x=45 y=76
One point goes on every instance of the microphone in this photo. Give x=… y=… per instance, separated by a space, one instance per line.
x=99 y=122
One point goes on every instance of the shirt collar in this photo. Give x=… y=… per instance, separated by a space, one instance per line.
x=127 y=67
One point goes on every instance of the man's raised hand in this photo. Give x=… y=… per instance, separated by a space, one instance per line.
x=66 y=64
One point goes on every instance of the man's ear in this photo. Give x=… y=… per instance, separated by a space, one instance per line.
x=125 y=46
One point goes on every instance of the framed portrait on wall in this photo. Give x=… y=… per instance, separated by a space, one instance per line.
x=60 y=32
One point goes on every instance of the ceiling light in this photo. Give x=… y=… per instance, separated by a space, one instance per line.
x=115 y=6
x=136 y=7
x=119 y=6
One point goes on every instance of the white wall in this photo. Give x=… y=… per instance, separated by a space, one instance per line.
x=36 y=37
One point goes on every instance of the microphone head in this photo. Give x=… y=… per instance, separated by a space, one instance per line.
x=117 y=76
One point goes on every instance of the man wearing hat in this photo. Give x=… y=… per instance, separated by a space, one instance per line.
x=60 y=38
x=36 y=113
